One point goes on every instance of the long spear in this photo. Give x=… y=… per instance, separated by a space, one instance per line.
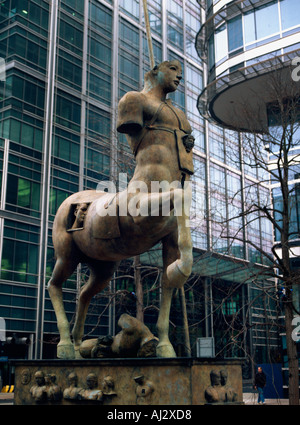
x=148 y=31
x=182 y=293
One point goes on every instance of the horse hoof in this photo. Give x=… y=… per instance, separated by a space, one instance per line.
x=176 y=277
x=65 y=351
x=165 y=350
x=78 y=356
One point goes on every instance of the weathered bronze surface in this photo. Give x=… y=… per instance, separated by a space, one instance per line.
x=177 y=381
x=160 y=137
x=134 y=340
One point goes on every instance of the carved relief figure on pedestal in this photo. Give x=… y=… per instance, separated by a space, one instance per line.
x=92 y=392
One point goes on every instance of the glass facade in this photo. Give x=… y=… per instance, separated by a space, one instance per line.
x=253 y=28
x=245 y=44
x=67 y=65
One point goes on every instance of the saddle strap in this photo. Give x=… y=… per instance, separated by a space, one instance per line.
x=151 y=126
x=146 y=127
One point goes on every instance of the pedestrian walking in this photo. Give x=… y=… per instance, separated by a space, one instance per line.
x=259 y=384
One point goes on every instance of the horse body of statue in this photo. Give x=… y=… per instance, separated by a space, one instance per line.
x=100 y=228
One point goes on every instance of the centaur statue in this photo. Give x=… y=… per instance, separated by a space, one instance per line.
x=85 y=230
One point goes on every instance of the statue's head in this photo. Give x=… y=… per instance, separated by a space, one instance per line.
x=91 y=381
x=215 y=377
x=167 y=74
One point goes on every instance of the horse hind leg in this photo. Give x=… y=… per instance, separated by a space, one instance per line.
x=63 y=269
x=100 y=275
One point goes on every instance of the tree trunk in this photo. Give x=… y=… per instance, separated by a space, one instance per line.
x=138 y=289
x=291 y=347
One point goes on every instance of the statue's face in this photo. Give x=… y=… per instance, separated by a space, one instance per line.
x=169 y=75
x=81 y=211
x=91 y=382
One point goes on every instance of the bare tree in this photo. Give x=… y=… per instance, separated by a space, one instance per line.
x=275 y=153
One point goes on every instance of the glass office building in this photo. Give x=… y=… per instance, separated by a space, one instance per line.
x=243 y=43
x=64 y=66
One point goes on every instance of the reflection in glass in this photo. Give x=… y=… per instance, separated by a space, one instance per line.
x=290 y=12
x=221 y=43
x=267 y=20
x=235 y=33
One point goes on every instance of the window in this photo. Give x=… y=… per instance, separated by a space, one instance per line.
x=128 y=58
x=71 y=34
x=100 y=19
x=27 y=49
x=24 y=194
x=175 y=23
x=249 y=27
x=99 y=85
x=64 y=148
x=25 y=93
x=25 y=134
x=68 y=111
x=73 y=5
x=290 y=12
x=97 y=162
x=154 y=12
x=20 y=252
x=267 y=20
x=69 y=69
x=130 y=7
x=98 y=123
x=157 y=51
x=216 y=142
x=235 y=33
x=100 y=51
x=28 y=13
x=63 y=184
x=261 y=22
x=221 y=43
x=211 y=52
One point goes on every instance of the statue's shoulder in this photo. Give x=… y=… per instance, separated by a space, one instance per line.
x=132 y=97
x=131 y=113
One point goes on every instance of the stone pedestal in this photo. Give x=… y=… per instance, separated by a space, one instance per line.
x=139 y=381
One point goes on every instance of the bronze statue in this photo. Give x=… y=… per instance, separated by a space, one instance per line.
x=219 y=391
x=72 y=392
x=143 y=390
x=160 y=137
x=37 y=391
x=134 y=340
x=92 y=392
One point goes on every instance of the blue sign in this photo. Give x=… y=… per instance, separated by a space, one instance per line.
x=3 y=359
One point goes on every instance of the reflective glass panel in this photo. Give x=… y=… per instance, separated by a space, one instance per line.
x=249 y=27
x=267 y=20
x=290 y=12
x=235 y=33
x=221 y=44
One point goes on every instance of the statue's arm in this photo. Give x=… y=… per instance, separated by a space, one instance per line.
x=130 y=113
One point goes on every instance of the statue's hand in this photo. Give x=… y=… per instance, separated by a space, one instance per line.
x=189 y=142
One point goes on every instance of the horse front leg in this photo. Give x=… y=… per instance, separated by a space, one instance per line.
x=160 y=205
x=62 y=270
x=170 y=254
x=179 y=271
